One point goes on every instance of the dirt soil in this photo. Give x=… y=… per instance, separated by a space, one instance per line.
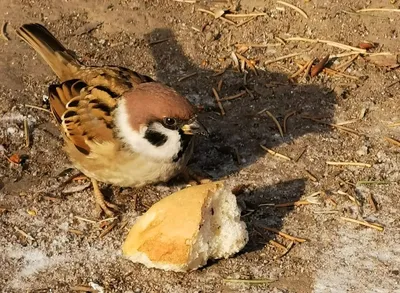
x=45 y=247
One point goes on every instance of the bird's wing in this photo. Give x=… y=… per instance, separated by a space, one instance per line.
x=83 y=112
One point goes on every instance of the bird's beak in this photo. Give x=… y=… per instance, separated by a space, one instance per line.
x=194 y=127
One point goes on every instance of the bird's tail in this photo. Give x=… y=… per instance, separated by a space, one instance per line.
x=61 y=61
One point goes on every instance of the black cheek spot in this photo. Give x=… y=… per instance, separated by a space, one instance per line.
x=155 y=138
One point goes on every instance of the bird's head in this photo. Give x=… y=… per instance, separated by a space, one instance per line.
x=155 y=121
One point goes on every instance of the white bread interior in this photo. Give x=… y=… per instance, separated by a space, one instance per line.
x=185 y=229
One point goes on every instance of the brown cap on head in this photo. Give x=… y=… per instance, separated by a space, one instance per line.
x=154 y=101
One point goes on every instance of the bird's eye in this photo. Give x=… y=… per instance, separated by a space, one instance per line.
x=169 y=121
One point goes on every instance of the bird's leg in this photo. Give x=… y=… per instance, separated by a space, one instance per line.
x=101 y=204
x=194 y=178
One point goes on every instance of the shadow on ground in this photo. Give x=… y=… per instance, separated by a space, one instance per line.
x=242 y=128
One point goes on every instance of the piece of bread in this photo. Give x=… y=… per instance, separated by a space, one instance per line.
x=185 y=229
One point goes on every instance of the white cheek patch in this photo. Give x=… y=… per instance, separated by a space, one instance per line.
x=139 y=144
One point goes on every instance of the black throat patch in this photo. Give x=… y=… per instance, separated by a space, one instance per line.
x=155 y=138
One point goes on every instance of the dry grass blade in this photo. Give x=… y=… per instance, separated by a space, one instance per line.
x=300 y=155
x=241 y=94
x=396 y=123
x=285 y=120
x=342 y=67
x=246 y=21
x=282 y=58
x=26 y=133
x=334 y=72
x=235 y=61
x=349 y=130
x=364 y=223
x=36 y=107
x=253 y=281
x=352 y=198
x=287 y=249
x=75 y=231
x=298 y=72
x=219 y=86
x=275 y=153
x=216 y=16
x=393 y=141
x=85 y=220
x=284 y=235
x=291 y=204
x=329 y=43
x=300 y=11
x=378 y=9
x=276 y=122
x=347 y=122
x=3 y=32
x=186 y=1
x=217 y=99
x=357 y=164
x=308 y=68
x=187 y=76
x=245 y=15
x=277 y=244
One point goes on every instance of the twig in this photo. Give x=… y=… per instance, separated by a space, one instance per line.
x=300 y=155
x=86 y=220
x=364 y=223
x=219 y=87
x=282 y=58
x=3 y=32
x=187 y=76
x=393 y=141
x=26 y=235
x=233 y=97
x=329 y=43
x=75 y=231
x=246 y=21
x=311 y=176
x=285 y=120
x=108 y=229
x=349 y=164
x=275 y=153
x=253 y=282
x=284 y=235
x=378 y=9
x=26 y=132
x=275 y=121
x=36 y=107
x=217 y=99
x=302 y=13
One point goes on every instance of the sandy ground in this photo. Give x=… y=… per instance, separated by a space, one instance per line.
x=338 y=257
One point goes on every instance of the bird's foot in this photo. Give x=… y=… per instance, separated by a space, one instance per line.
x=101 y=204
x=195 y=178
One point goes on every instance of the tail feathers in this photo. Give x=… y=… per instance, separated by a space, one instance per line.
x=50 y=49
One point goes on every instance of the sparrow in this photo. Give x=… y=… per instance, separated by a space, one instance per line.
x=119 y=127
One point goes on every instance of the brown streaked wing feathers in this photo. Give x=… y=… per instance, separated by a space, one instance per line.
x=85 y=113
